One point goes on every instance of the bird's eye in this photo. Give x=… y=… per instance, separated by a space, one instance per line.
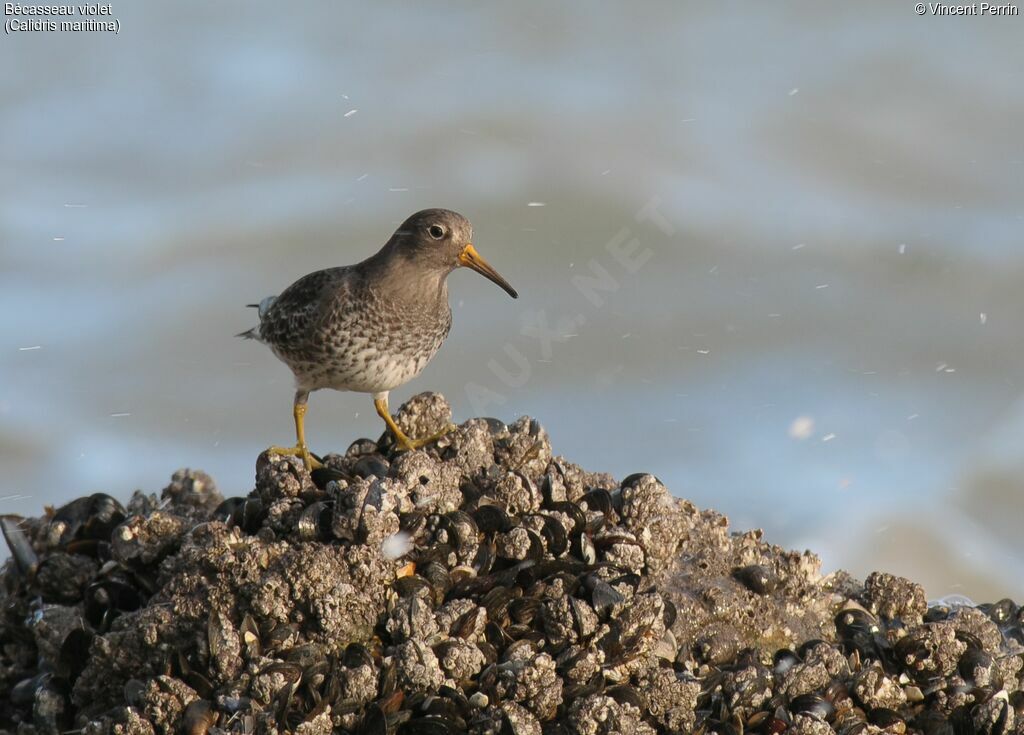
x=436 y=232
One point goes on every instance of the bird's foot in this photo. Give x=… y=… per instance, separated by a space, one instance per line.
x=407 y=445
x=300 y=450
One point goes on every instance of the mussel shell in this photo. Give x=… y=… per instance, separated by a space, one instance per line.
x=374 y=721
x=461 y=527
x=524 y=609
x=106 y=598
x=437 y=575
x=583 y=548
x=74 y=653
x=371 y=465
x=492 y=518
x=469 y=622
x=937 y=613
x=322 y=476
x=627 y=694
x=884 y=717
x=814 y=705
x=555 y=537
x=198 y=718
x=495 y=636
x=24 y=692
x=314 y=523
x=496 y=601
x=495 y=426
x=758 y=578
x=93 y=516
x=89 y=547
x=971 y=660
x=412 y=523
x=356 y=655
x=410 y=585
x=486 y=554
x=245 y=513
x=855 y=620
x=573 y=511
x=105 y=514
x=598 y=499
x=602 y=595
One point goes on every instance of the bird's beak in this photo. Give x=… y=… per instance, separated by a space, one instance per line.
x=470 y=258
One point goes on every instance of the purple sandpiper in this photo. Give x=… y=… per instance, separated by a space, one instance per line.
x=373 y=326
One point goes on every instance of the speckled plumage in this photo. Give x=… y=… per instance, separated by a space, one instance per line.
x=373 y=326
x=345 y=329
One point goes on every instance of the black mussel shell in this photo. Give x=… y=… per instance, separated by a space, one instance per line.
x=579 y=518
x=198 y=718
x=245 y=513
x=322 y=476
x=24 y=692
x=492 y=519
x=884 y=717
x=375 y=722
x=410 y=585
x=356 y=655
x=371 y=465
x=524 y=609
x=495 y=426
x=94 y=516
x=971 y=660
x=599 y=500
x=627 y=694
x=105 y=599
x=855 y=620
x=486 y=554
x=74 y=653
x=496 y=601
x=583 y=548
x=814 y=705
x=555 y=537
x=602 y=595
x=315 y=521
x=461 y=527
x=936 y=613
x=760 y=579
x=438 y=577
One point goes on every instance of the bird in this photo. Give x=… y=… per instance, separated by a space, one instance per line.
x=373 y=326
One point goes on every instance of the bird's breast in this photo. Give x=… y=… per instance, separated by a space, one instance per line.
x=374 y=346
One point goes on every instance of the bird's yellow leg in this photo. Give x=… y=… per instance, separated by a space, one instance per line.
x=300 y=449
x=404 y=442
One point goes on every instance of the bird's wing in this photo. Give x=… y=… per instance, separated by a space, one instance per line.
x=290 y=318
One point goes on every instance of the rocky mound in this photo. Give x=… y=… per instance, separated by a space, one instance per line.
x=478 y=586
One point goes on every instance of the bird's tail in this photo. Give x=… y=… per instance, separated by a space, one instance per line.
x=262 y=307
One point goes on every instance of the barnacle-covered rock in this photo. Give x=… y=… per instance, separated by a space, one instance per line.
x=895 y=597
x=418 y=668
x=145 y=540
x=477 y=585
x=602 y=715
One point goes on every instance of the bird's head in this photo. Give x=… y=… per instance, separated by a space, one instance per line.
x=442 y=240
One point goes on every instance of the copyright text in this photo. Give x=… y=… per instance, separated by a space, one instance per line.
x=968 y=9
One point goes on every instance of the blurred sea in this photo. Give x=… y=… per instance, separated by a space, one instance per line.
x=827 y=200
